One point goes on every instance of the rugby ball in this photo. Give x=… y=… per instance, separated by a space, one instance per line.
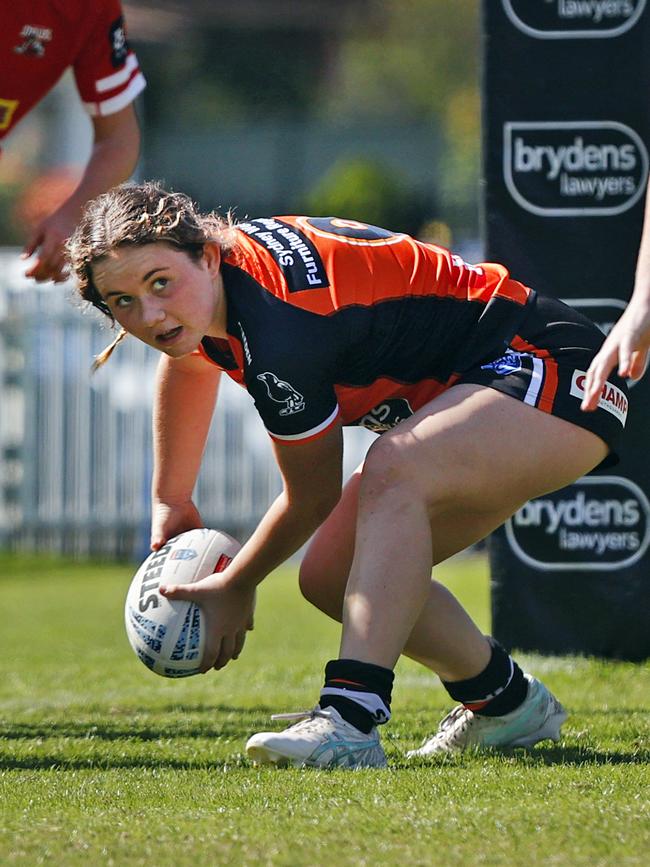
x=169 y=636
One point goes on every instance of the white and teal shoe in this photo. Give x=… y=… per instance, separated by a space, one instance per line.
x=539 y=718
x=323 y=739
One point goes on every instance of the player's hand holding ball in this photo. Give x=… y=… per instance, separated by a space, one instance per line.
x=183 y=614
x=171 y=519
x=228 y=609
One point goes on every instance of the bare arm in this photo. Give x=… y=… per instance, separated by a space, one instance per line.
x=185 y=395
x=312 y=475
x=114 y=155
x=629 y=340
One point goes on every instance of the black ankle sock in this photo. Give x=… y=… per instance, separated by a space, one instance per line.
x=498 y=689
x=359 y=691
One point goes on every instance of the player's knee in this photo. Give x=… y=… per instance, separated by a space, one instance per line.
x=393 y=469
x=390 y=467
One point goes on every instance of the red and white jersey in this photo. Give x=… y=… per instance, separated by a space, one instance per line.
x=40 y=39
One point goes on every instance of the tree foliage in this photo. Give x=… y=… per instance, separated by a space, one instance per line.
x=419 y=59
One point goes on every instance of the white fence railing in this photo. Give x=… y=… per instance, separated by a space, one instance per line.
x=75 y=453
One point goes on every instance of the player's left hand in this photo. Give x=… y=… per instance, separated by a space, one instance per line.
x=47 y=242
x=228 y=608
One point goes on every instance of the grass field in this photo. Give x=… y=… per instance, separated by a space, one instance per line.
x=102 y=762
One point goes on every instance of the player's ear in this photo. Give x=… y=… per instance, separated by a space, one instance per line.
x=212 y=257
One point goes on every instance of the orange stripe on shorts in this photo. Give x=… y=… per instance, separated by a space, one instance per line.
x=521 y=345
x=549 y=389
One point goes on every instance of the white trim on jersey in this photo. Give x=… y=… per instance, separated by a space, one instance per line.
x=308 y=433
x=119 y=77
x=117 y=103
x=536 y=380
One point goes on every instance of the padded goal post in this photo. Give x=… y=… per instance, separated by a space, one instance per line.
x=565 y=154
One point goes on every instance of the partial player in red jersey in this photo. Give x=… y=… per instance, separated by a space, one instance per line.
x=39 y=40
x=473 y=381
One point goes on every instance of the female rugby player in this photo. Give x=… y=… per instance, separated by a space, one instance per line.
x=473 y=381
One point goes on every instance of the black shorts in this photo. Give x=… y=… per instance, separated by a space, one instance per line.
x=545 y=366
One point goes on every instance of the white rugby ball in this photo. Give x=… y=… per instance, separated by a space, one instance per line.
x=169 y=636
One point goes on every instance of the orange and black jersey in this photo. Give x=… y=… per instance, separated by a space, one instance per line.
x=330 y=319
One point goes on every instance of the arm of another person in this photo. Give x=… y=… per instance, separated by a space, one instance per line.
x=116 y=145
x=185 y=396
x=312 y=477
x=629 y=340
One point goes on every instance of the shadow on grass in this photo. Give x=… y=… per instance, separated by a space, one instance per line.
x=561 y=756
x=56 y=763
x=130 y=726
x=540 y=757
x=585 y=756
x=548 y=756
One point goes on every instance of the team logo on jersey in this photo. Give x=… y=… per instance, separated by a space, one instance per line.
x=119 y=45
x=508 y=363
x=574 y=19
x=592 y=168
x=386 y=415
x=282 y=392
x=33 y=40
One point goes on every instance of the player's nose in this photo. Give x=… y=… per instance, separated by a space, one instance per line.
x=152 y=312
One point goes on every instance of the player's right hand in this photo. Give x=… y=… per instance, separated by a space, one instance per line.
x=228 y=606
x=46 y=243
x=170 y=519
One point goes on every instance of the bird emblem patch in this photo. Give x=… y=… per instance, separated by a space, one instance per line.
x=282 y=392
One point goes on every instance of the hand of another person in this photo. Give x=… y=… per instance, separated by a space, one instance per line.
x=170 y=519
x=228 y=608
x=47 y=242
x=627 y=346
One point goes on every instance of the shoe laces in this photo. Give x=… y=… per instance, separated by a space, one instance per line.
x=460 y=717
x=299 y=714
x=304 y=718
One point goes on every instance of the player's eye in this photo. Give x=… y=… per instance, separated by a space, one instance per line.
x=123 y=301
x=159 y=284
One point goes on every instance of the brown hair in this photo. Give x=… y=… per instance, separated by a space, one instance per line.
x=137 y=214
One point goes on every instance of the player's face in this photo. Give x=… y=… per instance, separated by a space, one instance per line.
x=162 y=296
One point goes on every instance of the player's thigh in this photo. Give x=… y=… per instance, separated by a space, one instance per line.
x=475 y=455
x=326 y=564
x=476 y=448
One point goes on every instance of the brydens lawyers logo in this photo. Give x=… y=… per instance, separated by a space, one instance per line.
x=573 y=19
x=601 y=523
x=574 y=168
